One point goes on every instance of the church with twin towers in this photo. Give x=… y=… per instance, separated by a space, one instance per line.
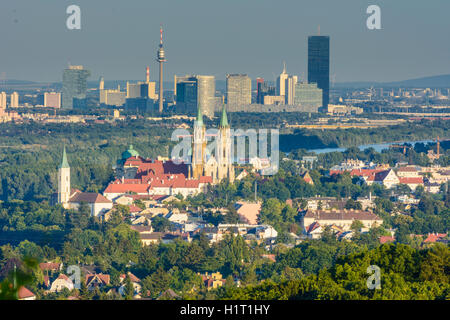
x=219 y=165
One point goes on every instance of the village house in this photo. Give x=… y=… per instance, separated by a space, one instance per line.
x=62 y=282
x=97 y=280
x=25 y=294
x=408 y=172
x=135 y=281
x=213 y=280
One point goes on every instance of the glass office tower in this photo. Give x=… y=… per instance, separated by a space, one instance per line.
x=319 y=65
x=74 y=85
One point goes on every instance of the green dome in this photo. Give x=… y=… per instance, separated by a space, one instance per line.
x=130 y=153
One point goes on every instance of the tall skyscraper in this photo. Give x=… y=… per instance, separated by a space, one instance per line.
x=259 y=87
x=206 y=91
x=14 y=102
x=239 y=89
x=319 y=64
x=289 y=88
x=186 y=94
x=281 y=82
x=161 y=58
x=195 y=92
x=74 y=85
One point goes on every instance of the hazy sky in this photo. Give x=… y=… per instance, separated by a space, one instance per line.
x=119 y=38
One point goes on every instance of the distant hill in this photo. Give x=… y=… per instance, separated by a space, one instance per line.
x=442 y=81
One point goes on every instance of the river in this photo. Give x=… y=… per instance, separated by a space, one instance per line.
x=378 y=147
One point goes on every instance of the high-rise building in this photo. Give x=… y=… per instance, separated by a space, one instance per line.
x=161 y=58
x=52 y=100
x=195 y=92
x=281 y=82
x=308 y=95
x=113 y=97
x=239 y=89
x=259 y=87
x=186 y=94
x=289 y=87
x=14 y=102
x=74 y=85
x=3 y=100
x=142 y=90
x=206 y=91
x=319 y=65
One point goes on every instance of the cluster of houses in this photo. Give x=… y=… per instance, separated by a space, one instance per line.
x=56 y=281
x=430 y=178
x=187 y=223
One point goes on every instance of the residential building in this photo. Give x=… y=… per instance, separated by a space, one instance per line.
x=341 y=218
x=14 y=102
x=61 y=283
x=3 y=100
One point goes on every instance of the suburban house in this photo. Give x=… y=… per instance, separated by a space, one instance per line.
x=135 y=281
x=213 y=280
x=97 y=280
x=25 y=294
x=60 y=283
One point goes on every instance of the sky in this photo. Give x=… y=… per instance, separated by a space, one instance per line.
x=118 y=39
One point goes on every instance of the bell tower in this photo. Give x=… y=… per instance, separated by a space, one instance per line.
x=64 y=180
x=199 y=147
x=224 y=145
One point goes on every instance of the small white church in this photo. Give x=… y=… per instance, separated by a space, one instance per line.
x=72 y=198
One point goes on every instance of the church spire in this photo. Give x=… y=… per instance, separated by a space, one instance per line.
x=223 y=119
x=64 y=163
x=199 y=117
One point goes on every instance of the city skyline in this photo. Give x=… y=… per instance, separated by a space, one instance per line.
x=250 y=45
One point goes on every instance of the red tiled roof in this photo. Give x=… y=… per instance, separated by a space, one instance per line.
x=134 y=208
x=104 y=278
x=126 y=187
x=433 y=237
x=49 y=266
x=385 y=239
x=412 y=180
x=407 y=169
x=25 y=293
x=313 y=226
x=133 y=278
x=63 y=276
